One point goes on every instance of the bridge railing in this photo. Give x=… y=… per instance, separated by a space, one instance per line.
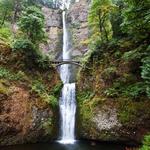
x=64 y=60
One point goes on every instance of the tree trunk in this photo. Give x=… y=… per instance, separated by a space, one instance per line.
x=3 y=20
x=100 y=25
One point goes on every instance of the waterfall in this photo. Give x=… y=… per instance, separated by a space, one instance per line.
x=67 y=102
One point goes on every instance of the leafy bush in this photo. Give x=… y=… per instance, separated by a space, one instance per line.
x=56 y=90
x=132 y=90
x=38 y=87
x=50 y=99
x=132 y=55
x=23 y=44
x=27 y=49
x=146 y=69
x=136 y=19
x=32 y=24
x=109 y=73
x=5 y=34
x=43 y=61
x=146 y=143
x=84 y=96
x=111 y=92
x=31 y=53
x=5 y=73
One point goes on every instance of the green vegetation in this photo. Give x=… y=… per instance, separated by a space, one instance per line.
x=48 y=125
x=129 y=43
x=118 y=60
x=6 y=74
x=32 y=24
x=39 y=88
x=36 y=86
x=5 y=34
x=99 y=20
x=129 y=111
x=22 y=27
x=117 y=63
x=146 y=143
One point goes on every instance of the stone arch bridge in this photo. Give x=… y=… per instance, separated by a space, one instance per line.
x=57 y=63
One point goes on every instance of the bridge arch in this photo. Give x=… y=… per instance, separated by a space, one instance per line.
x=58 y=63
x=71 y=63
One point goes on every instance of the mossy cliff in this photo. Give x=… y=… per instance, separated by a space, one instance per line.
x=28 y=100
x=112 y=103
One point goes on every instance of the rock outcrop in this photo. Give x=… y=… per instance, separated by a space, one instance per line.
x=78 y=27
x=53 y=25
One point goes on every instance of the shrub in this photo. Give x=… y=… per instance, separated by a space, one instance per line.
x=32 y=24
x=43 y=61
x=111 y=92
x=23 y=44
x=38 y=87
x=5 y=73
x=132 y=55
x=146 y=143
x=5 y=34
x=56 y=90
x=31 y=53
x=134 y=90
x=50 y=99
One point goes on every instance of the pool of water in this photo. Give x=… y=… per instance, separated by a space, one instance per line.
x=80 y=145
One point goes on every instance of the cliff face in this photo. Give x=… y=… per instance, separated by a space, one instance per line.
x=78 y=26
x=28 y=105
x=53 y=25
x=77 y=17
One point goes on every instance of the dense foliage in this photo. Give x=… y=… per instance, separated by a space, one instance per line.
x=99 y=20
x=22 y=27
x=32 y=24
x=122 y=29
x=146 y=143
x=137 y=19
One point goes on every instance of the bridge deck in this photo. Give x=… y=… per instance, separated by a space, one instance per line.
x=66 y=61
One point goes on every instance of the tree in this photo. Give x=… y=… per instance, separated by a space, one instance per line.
x=32 y=24
x=18 y=6
x=99 y=19
x=6 y=7
x=117 y=19
x=137 y=19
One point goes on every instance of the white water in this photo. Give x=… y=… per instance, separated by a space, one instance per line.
x=67 y=101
